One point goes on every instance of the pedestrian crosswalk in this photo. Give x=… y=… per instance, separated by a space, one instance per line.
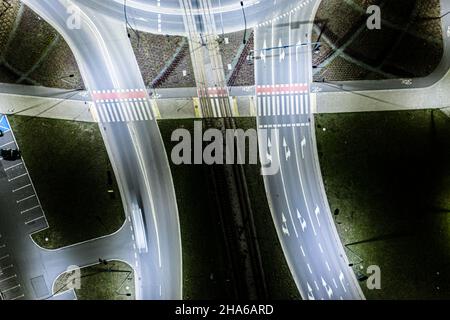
x=282 y=100
x=122 y=105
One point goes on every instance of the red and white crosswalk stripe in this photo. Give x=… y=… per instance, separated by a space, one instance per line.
x=122 y=105
x=282 y=100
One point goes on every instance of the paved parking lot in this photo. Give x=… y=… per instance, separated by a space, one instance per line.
x=26 y=212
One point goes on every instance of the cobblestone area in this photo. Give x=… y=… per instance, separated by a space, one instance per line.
x=406 y=46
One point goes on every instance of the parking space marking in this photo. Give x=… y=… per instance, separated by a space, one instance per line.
x=10 y=289
x=4 y=257
x=34 y=220
x=9 y=278
x=7 y=144
x=27 y=198
x=18 y=297
x=21 y=188
x=18 y=177
x=30 y=209
x=14 y=166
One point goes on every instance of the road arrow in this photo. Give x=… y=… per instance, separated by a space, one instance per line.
x=310 y=292
x=284 y=225
x=327 y=288
x=303 y=144
x=302 y=221
x=287 y=151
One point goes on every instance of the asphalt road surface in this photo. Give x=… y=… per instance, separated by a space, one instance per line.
x=295 y=192
x=110 y=72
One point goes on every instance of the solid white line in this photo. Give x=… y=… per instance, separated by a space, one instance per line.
x=139 y=110
x=142 y=108
x=7 y=144
x=4 y=257
x=320 y=247
x=296 y=104
x=292 y=105
x=283 y=105
x=309 y=268
x=119 y=109
x=100 y=111
x=27 y=198
x=328 y=266
x=18 y=177
x=264 y=103
x=9 y=278
x=31 y=221
x=31 y=209
x=116 y=112
x=105 y=109
x=18 y=297
x=149 y=111
x=303 y=251
x=21 y=188
x=303 y=111
x=7 y=290
x=335 y=284
x=129 y=115
x=14 y=166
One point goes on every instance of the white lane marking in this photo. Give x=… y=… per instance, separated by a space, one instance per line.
x=303 y=251
x=320 y=248
x=18 y=177
x=309 y=268
x=302 y=104
x=7 y=144
x=297 y=111
x=25 y=199
x=21 y=188
x=147 y=108
x=126 y=112
x=14 y=166
x=118 y=105
x=4 y=257
x=312 y=223
x=18 y=297
x=335 y=284
x=30 y=209
x=34 y=220
x=139 y=110
x=283 y=105
x=328 y=266
x=10 y=289
x=116 y=114
x=9 y=278
x=317 y=286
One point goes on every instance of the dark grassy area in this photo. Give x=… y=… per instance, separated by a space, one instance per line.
x=203 y=247
x=206 y=274
x=102 y=282
x=68 y=164
x=388 y=173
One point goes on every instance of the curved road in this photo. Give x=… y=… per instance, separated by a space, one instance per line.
x=134 y=144
x=283 y=71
